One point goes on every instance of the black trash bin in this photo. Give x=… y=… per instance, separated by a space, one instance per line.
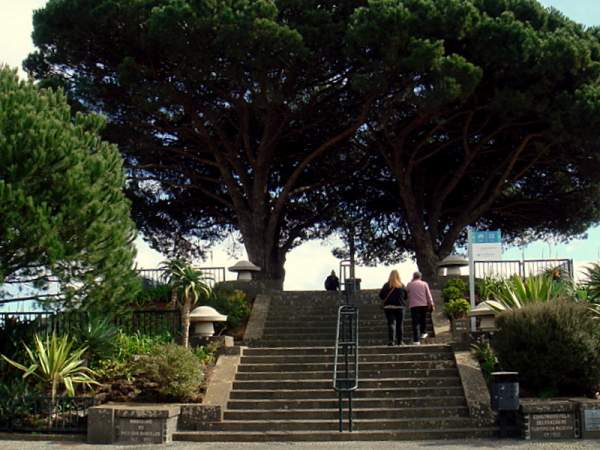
x=505 y=391
x=505 y=400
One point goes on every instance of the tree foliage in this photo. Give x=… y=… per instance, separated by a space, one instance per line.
x=242 y=115
x=228 y=112
x=489 y=118
x=64 y=214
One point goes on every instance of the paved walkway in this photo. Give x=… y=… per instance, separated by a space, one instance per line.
x=430 y=445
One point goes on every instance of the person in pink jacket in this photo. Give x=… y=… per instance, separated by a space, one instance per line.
x=419 y=302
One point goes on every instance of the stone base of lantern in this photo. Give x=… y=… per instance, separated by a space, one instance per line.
x=202 y=341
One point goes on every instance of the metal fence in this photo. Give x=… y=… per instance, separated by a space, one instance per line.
x=151 y=277
x=210 y=275
x=42 y=415
x=525 y=268
x=149 y=322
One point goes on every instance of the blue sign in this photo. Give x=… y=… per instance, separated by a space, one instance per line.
x=487 y=237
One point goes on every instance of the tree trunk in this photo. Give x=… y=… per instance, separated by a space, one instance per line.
x=174 y=298
x=185 y=321
x=427 y=263
x=270 y=261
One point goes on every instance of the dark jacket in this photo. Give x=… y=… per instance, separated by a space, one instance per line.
x=396 y=298
x=332 y=283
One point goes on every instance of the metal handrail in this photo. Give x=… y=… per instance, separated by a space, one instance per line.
x=346 y=340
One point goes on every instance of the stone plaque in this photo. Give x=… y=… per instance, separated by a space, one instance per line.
x=130 y=430
x=591 y=419
x=552 y=426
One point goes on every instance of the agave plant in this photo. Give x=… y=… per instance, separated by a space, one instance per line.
x=188 y=281
x=55 y=363
x=592 y=282
x=517 y=292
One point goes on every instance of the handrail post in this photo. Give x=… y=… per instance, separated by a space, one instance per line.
x=347 y=341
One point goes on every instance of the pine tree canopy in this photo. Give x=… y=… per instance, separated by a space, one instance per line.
x=64 y=216
x=254 y=114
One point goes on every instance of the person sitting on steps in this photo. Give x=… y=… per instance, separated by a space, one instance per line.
x=393 y=295
x=419 y=301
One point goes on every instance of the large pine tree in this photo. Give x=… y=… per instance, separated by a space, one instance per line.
x=63 y=213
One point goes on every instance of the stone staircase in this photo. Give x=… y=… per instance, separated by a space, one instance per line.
x=283 y=388
x=309 y=319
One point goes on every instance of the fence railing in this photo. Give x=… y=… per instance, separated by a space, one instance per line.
x=152 y=277
x=150 y=322
x=525 y=268
x=345 y=363
x=210 y=275
x=42 y=415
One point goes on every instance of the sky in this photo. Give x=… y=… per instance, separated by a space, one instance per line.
x=307 y=265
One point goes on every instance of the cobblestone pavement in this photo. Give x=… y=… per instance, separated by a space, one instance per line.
x=442 y=445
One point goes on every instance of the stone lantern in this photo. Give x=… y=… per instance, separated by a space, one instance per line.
x=244 y=270
x=452 y=264
x=202 y=318
x=487 y=316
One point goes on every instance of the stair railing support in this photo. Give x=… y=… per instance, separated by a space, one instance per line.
x=346 y=347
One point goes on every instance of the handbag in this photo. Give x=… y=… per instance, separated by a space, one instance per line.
x=387 y=296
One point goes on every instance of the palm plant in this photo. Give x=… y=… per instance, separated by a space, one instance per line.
x=183 y=278
x=54 y=362
x=517 y=292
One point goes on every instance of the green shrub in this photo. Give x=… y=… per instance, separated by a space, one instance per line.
x=451 y=293
x=12 y=337
x=554 y=346
x=109 y=370
x=485 y=354
x=150 y=295
x=16 y=399
x=457 y=283
x=130 y=345
x=457 y=308
x=206 y=354
x=233 y=304
x=174 y=369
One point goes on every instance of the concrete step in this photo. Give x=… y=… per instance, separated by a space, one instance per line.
x=362 y=337
x=363 y=374
x=332 y=425
x=326 y=325
x=329 y=350
x=357 y=413
x=327 y=383
x=330 y=393
x=328 y=366
x=290 y=359
x=408 y=402
x=317 y=318
x=323 y=342
x=326 y=436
